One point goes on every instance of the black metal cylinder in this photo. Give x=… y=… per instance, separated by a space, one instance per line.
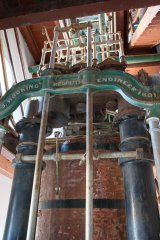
x=140 y=197
x=19 y=204
x=18 y=211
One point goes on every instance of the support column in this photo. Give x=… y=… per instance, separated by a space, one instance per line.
x=19 y=205
x=89 y=167
x=140 y=196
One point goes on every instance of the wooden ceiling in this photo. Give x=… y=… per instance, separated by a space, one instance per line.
x=32 y=15
x=14 y=13
x=34 y=38
x=147 y=33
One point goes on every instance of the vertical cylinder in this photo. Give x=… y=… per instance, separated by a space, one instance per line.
x=54 y=48
x=18 y=211
x=89 y=167
x=89 y=47
x=19 y=204
x=140 y=196
x=155 y=138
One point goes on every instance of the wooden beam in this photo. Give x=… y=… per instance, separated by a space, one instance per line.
x=6 y=167
x=150 y=68
x=43 y=11
x=32 y=43
x=145 y=21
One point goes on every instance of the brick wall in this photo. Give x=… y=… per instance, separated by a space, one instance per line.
x=69 y=223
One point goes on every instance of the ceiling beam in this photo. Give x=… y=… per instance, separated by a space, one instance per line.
x=42 y=11
x=32 y=42
x=145 y=21
x=6 y=167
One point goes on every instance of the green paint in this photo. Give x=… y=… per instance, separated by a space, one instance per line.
x=124 y=83
x=130 y=59
x=143 y=58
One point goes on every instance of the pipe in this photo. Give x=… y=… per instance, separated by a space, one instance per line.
x=133 y=59
x=54 y=48
x=19 y=203
x=140 y=196
x=66 y=157
x=89 y=47
x=114 y=22
x=102 y=32
x=143 y=58
x=43 y=56
x=18 y=211
x=155 y=138
x=89 y=167
x=38 y=170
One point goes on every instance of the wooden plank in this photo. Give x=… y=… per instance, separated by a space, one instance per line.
x=31 y=42
x=42 y=11
x=6 y=167
x=144 y=23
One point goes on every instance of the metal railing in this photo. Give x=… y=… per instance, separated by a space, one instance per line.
x=73 y=50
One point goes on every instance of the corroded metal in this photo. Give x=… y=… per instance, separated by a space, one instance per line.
x=126 y=110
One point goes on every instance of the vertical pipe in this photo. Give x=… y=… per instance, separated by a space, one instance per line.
x=89 y=167
x=140 y=196
x=114 y=23
x=42 y=62
x=68 y=52
x=20 y=198
x=89 y=47
x=18 y=210
x=102 y=32
x=94 y=47
x=121 y=49
x=54 y=48
x=38 y=171
x=155 y=138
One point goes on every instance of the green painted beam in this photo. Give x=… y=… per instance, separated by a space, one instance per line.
x=130 y=60
x=143 y=58
x=124 y=83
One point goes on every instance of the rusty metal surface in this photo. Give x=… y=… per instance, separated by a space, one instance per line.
x=126 y=110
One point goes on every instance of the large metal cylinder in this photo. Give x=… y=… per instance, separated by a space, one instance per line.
x=140 y=196
x=19 y=204
x=18 y=211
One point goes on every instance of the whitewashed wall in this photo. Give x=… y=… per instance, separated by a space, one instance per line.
x=5 y=189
